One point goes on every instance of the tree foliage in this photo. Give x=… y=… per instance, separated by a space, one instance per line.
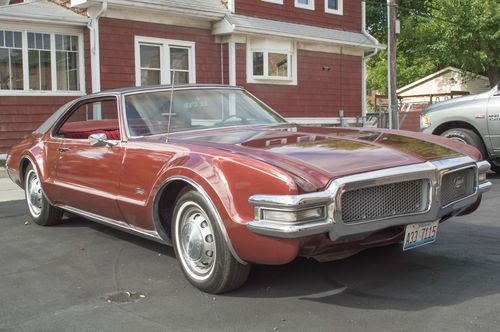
x=436 y=34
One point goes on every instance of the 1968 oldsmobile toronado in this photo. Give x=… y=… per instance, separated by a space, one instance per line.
x=226 y=181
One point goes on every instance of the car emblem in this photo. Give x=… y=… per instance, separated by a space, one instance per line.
x=459 y=182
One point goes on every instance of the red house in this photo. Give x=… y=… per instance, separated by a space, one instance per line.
x=305 y=58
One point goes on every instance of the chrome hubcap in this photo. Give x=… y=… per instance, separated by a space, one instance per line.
x=457 y=139
x=196 y=242
x=34 y=194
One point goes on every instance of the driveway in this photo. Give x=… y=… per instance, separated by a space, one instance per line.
x=61 y=278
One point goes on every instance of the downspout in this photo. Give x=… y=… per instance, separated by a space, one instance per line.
x=364 y=60
x=95 y=62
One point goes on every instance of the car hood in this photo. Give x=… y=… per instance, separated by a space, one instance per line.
x=315 y=156
x=455 y=102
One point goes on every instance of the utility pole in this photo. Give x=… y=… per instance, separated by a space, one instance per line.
x=391 y=63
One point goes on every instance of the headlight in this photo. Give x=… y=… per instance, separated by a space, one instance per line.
x=482 y=168
x=425 y=121
x=292 y=216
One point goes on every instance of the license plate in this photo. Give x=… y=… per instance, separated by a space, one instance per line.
x=418 y=235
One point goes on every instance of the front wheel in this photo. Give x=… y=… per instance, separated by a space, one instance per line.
x=468 y=137
x=39 y=208
x=201 y=249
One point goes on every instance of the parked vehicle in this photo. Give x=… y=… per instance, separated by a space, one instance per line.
x=473 y=120
x=226 y=181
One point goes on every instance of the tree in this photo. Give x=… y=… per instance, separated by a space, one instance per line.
x=436 y=34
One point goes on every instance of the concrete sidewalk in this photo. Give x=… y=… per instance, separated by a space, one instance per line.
x=9 y=191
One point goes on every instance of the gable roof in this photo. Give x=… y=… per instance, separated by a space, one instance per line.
x=238 y=23
x=41 y=11
x=435 y=75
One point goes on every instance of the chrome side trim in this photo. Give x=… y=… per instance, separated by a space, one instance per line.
x=210 y=203
x=120 y=225
x=331 y=197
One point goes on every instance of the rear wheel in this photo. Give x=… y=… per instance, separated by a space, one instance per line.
x=466 y=136
x=201 y=248
x=39 y=208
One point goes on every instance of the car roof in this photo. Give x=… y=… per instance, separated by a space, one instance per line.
x=122 y=91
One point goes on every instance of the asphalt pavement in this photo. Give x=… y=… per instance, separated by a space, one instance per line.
x=75 y=277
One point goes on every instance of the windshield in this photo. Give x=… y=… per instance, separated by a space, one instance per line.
x=148 y=113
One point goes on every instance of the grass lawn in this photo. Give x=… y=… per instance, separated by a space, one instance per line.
x=2 y=163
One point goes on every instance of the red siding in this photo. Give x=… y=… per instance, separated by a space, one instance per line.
x=319 y=93
x=20 y=115
x=350 y=20
x=117 y=50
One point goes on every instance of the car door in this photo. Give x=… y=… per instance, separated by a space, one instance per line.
x=494 y=121
x=88 y=176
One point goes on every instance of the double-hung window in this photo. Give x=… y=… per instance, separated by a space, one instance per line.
x=11 y=60
x=163 y=61
x=334 y=6
x=306 y=4
x=271 y=61
x=33 y=62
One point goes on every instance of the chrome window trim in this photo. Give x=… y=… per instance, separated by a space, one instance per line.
x=168 y=89
x=330 y=197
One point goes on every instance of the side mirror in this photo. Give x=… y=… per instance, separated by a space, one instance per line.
x=100 y=140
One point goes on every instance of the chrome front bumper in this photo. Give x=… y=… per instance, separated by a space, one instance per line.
x=330 y=199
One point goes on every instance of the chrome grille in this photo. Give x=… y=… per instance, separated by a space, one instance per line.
x=388 y=200
x=457 y=185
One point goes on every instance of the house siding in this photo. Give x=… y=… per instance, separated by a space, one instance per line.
x=20 y=115
x=118 y=53
x=350 y=20
x=319 y=93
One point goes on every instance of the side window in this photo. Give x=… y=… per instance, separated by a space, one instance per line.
x=97 y=117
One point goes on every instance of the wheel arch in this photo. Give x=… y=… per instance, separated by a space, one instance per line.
x=163 y=211
x=458 y=124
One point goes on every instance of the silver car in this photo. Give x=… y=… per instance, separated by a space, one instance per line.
x=474 y=120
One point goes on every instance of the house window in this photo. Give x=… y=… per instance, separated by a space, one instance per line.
x=271 y=61
x=161 y=61
x=67 y=62
x=40 y=62
x=279 y=2
x=11 y=60
x=334 y=6
x=306 y=4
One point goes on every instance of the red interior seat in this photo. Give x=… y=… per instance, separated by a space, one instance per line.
x=83 y=129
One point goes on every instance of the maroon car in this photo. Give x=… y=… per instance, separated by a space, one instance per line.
x=226 y=181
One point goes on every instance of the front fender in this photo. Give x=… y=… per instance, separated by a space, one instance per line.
x=227 y=182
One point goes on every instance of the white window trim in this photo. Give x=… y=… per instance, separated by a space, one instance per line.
x=339 y=11
x=52 y=31
x=278 y=2
x=266 y=79
x=309 y=6
x=165 y=45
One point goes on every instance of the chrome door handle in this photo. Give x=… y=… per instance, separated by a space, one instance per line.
x=63 y=149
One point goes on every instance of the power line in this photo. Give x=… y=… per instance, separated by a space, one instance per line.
x=417 y=12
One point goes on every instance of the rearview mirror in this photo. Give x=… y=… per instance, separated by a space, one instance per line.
x=100 y=140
